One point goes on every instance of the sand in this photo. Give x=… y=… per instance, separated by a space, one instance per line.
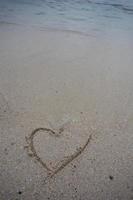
x=83 y=83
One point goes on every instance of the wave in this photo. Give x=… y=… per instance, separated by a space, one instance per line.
x=8 y=23
x=126 y=9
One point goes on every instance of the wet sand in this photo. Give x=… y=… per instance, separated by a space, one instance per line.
x=83 y=83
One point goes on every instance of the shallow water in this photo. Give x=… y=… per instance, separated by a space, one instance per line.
x=99 y=16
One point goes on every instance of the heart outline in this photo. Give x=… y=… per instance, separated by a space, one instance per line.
x=65 y=162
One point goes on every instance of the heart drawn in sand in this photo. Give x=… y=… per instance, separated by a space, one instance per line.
x=33 y=152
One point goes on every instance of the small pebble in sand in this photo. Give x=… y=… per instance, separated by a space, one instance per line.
x=111 y=177
x=12 y=143
x=20 y=192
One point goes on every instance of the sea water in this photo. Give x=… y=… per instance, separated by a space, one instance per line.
x=97 y=16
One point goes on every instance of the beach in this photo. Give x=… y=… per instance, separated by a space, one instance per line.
x=76 y=84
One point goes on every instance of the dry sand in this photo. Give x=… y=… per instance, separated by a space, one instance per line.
x=52 y=78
